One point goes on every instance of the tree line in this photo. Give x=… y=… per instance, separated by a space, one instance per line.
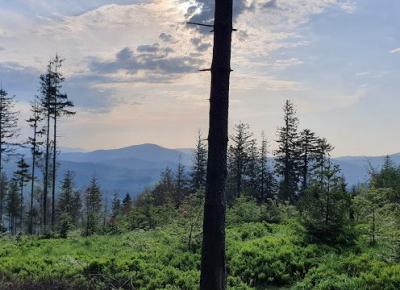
x=48 y=107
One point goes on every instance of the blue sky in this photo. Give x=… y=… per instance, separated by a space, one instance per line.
x=131 y=68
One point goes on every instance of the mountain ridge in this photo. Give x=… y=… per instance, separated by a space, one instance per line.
x=137 y=167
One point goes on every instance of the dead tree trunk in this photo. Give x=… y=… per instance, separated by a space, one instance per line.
x=213 y=248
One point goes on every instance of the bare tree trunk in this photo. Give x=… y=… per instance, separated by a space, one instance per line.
x=21 y=218
x=46 y=173
x=53 y=187
x=213 y=270
x=30 y=230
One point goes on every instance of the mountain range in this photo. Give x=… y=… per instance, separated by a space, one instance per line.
x=135 y=168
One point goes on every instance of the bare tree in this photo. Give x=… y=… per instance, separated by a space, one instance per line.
x=213 y=272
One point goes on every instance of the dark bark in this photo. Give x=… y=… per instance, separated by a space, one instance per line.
x=213 y=272
x=53 y=186
x=30 y=229
x=46 y=171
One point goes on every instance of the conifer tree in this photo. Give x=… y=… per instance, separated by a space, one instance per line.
x=250 y=178
x=287 y=155
x=308 y=149
x=47 y=91
x=3 y=196
x=35 y=144
x=239 y=151
x=181 y=183
x=93 y=206
x=321 y=156
x=69 y=199
x=8 y=129
x=116 y=206
x=266 y=180
x=165 y=190
x=13 y=205
x=126 y=203
x=22 y=176
x=324 y=207
x=60 y=106
x=198 y=173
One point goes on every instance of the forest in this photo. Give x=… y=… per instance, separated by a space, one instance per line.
x=292 y=222
x=242 y=216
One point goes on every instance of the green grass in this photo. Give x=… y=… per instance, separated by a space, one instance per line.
x=259 y=255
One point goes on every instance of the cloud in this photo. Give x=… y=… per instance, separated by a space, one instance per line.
x=166 y=37
x=19 y=80
x=200 y=44
x=147 y=58
x=396 y=50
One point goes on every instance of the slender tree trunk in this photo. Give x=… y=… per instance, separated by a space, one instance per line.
x=53 y=187
x=2 y=193
x=46 y=172
x=21 y=218
x=213 y=272
x=30 y=230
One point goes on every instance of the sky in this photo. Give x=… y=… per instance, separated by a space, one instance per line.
x=131 y=68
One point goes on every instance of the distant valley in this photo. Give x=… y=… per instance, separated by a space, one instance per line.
x=134 y=168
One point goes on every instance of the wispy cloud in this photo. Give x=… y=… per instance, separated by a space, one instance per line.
x=396 y=50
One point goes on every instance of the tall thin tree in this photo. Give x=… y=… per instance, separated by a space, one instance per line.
x=35 y=144
x=22 y=176
x=266 y=181
x=60 y=106
x=213 y=271
x=8 y=129
x=13 y=205
x=287 y=155
x=47 y=93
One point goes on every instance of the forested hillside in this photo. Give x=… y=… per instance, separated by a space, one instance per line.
x=348 y=241
x=263 y=207
x=292 y=223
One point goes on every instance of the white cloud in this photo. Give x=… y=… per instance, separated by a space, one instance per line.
x=396 y=50
x=104 y=31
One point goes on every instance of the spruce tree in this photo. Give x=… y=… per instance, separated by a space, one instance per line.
x=126 y=204
x=47 y=91
x=8 y=129
x=165 y=190
x=287 y=155
x=115 y=206
x=60 y=106
x=198 y=173
x=3 y=196
x=22 y=176
x=321 y=155
x=308 y=149
x=250 y=178
x=13 y=205
x=242 y=142
x=69 y=199
x=181 y=183
x=324 y=208
x=93 y=206
x=35 y=143
x=266 y=180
